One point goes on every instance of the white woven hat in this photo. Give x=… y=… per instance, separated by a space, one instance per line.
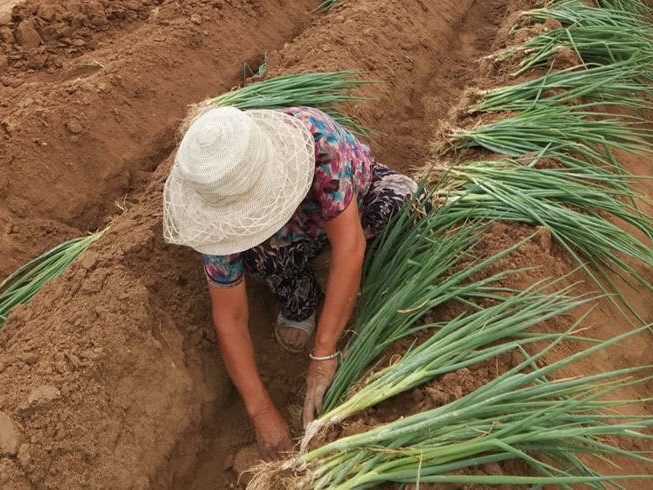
x=237 y=178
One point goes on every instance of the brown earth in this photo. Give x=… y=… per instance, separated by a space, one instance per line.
x=111 y=376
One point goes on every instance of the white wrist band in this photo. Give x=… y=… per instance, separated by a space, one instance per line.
x=324 y=358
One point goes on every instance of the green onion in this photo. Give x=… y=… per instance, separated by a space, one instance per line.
x=21 y=286
x=326 y=5
x=320 y=90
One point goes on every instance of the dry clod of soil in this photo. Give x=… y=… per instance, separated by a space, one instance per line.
x=74 y=126
x=27 y=35
x=9 y=436
x=543 y=238
x=43 y=394
x=566 y=58
x=552 y=24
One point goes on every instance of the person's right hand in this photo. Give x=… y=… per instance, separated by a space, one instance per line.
x=272 y=434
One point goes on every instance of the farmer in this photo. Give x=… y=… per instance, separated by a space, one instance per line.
x=265 y=191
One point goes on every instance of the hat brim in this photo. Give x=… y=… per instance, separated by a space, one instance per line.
x=251 y=219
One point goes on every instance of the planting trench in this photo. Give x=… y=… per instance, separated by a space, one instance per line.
x=111 y=376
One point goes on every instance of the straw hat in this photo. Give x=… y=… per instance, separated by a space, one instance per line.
x=237 y=178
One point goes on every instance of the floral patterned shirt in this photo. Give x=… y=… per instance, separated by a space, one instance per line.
x=342 y=172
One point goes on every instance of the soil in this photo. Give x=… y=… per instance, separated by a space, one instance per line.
x=111 y=376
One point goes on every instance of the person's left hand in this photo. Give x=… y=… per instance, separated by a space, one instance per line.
x=319 y=377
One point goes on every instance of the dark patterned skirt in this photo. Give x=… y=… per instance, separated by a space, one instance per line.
x=285 y=267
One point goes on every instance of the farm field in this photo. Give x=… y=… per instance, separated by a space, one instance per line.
x=111 y=376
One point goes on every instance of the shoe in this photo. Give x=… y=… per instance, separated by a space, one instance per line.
x=307 y=326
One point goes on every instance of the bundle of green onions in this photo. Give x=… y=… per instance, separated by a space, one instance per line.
x=570 y=204
x=465 y=341
x=635 y=6
x=619 y=84
x=578 y=13
x=522 y=414
x=21 y=286
x=320 y=90
x=576 y=136
x=414 y=267
x=621 y=44
x=617 y=45
x=596 y=35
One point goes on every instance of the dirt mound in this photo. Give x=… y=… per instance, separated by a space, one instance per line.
x=112 y=377
x=79 y=141
x=38 y=34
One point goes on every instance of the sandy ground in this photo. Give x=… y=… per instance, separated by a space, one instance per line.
x=111 y=377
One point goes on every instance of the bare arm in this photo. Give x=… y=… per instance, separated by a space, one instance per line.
x=231 y=320
x=347 y=240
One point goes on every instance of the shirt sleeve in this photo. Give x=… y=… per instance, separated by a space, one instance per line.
x=333 y=187
x=332 y=184
x=224 y=271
